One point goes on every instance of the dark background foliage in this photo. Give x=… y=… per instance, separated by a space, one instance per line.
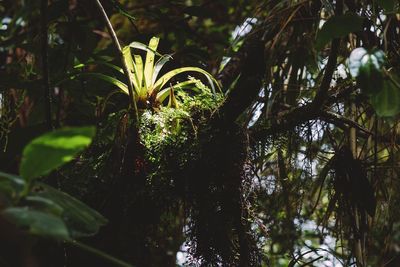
x=297 y=166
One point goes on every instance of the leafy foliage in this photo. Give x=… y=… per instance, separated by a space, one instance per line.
x=52 y=150
x=295 y=166
x=380 y=85
x=49 y=212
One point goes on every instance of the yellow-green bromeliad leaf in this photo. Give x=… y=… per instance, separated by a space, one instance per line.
x=126 y=51
x=169 y=75
x=149 y=65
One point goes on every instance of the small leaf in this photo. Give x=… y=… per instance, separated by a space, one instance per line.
x=51 y=150
x=37 y=222
x=338 y=26
x=172 y=102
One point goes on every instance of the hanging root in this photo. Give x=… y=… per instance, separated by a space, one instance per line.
x=219 y=230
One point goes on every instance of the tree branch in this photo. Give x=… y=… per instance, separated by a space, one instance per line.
x=235 y=65
x=322 y=93
x=250 y=65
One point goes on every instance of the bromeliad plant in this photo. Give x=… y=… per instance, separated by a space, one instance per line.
x=151 y=90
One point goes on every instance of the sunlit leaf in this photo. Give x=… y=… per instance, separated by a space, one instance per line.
x=158 y=66
x=139 y=73
x=51 y=150
x=164 y=93
x=126 y=51
x=172 y=102
x=141 y=46
x=149 y=65
x=169 y=75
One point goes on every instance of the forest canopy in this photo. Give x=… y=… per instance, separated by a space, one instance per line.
x=199 y=133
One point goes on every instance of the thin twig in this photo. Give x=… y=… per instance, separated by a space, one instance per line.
x=132 y=102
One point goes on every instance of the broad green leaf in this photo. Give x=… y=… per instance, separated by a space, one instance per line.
x=52 y=150
x=37 y=222
x=169 y=75
x=149 y=65
x=80 y=219
x=338 y=26
x=386 y=102
x=106 y=78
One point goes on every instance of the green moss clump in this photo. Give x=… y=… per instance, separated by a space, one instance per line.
x=168 y=129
